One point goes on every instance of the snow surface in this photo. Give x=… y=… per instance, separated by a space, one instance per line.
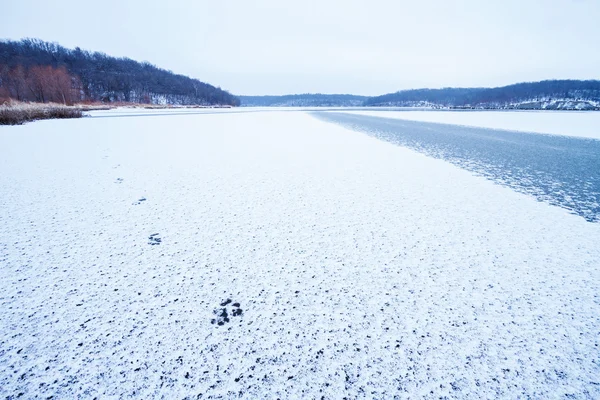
x=361 y=269
x=568 y=123
x=135 y=111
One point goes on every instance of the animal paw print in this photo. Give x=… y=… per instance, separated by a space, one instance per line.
x=222 y=314
x=119 y=180
x=154 y=240
x=139 y=201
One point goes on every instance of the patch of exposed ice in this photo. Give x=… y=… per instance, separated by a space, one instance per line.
x=569 y=123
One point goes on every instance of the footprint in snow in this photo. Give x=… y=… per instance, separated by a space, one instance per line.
x=154 y=240
x=139 y=201
x=222 y=314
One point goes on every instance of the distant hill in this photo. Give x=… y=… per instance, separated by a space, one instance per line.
x=544 y=95
x=550 y=94
x=303 y=100
x=34 y=70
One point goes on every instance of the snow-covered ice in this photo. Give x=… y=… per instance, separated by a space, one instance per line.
x=138 y=111
x=568 y=123
x=270 y=254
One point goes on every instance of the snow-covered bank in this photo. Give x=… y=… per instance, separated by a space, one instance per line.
x=569 y=123
x=361 y=269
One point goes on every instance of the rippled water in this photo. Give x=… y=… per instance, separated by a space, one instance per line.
x=562 y=171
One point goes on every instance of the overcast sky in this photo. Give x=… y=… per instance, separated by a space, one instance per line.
x=364 y=47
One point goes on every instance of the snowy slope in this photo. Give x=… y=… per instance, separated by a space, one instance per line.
x=558 y=104
x=361 y=269
x=570 y=123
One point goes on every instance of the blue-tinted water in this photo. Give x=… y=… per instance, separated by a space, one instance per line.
x=562 y=171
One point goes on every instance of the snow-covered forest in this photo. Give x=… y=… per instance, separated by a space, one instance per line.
x=549 y=94
x=35 y=70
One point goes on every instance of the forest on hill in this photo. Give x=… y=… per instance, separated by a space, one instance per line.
x=39 y=71
x=549 y=94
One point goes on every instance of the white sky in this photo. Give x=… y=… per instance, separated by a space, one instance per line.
x=367 y=47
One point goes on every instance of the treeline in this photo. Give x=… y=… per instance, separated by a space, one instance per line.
x=304 y=100
x=550 y=94
x=40 y=84
x=34 y=70
x=499 y=97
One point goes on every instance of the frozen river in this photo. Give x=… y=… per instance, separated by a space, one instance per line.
x=271 y=254
x=560 y=170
